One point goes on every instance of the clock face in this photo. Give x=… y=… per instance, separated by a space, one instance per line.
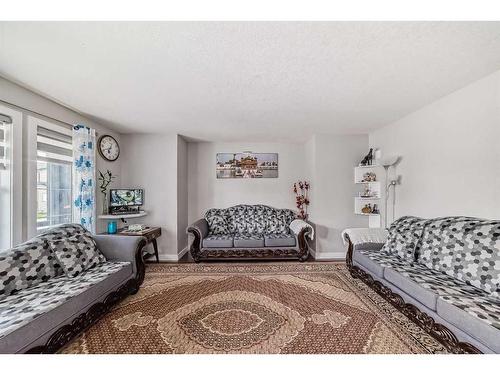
x=108 y=148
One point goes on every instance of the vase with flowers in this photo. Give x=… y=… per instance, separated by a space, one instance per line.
x=105 y=179
x=301 y=190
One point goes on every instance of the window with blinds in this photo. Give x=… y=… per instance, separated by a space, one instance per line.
x=54 y=174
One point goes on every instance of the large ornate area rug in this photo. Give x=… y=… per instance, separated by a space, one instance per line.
x=254 y=308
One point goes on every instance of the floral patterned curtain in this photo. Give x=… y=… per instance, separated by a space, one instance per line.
x=84 y=198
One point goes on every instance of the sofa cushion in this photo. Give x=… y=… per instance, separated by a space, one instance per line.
x=62 y=231
x=256 y=219
x=425 y=285
x=41 y=309
x=287 y=215
x=235 y=217
x=464 y=248
x=278 y=240
x=26 y=265
x=251 y=219
x=221 y=240
x=277 y=223
x=217 y=223
x=478 y=316
x=404 y=234
x=432 y=250
x=478 y=264
x=376 y=260
x=76 y=254
x=248 y=240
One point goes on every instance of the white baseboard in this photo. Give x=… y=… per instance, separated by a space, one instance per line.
x=173 y=257
x=334 y=255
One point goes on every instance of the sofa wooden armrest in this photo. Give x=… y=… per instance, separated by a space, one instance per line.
x=199 y=229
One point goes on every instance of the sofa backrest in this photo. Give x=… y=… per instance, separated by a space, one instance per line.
x=251 y=219
x=32 y=262
x=62 y=231
x=465 y=248
x=404 y=235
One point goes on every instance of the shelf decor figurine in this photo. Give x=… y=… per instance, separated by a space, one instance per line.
x=105 y=179
x=367 y=193
x=369 y=177
x=301 y=190
x=368 y=159
x=367 y=209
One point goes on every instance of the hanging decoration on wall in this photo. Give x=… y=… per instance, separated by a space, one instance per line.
x=108 y=148
x=247 y=165
x=84 y=176
x=301 y=190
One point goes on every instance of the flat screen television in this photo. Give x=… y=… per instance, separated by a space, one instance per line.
x=126 y=197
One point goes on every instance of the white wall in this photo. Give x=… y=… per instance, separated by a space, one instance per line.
x=150 y=163
x=450 y=154
x=206 y=191
x=19 y=96
x=326 y=161
x=332 y=189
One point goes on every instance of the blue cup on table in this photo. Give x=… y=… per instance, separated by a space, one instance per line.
x=112 y=227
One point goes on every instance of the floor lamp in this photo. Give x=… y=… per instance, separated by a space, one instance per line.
x=387 y=163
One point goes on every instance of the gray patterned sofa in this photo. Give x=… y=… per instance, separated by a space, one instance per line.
x=444 y=274
x=60 y=282
x=249 y=232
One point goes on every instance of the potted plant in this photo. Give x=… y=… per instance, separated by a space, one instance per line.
x=105 y=179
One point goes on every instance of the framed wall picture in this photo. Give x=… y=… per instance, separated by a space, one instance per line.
x=247 y=165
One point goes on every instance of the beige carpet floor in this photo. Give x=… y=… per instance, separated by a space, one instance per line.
x=253 y=308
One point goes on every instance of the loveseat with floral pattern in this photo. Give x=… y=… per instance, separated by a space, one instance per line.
x=250 y=232
x=60 y=282
x=443 y=273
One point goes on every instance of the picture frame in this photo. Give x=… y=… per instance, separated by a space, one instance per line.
x=246 y=165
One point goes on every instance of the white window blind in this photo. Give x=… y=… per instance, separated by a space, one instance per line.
x=54 y=145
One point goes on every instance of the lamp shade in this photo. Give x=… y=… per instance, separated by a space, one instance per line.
x=390 y=161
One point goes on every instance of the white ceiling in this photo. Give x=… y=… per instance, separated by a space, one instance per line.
x=256 y=81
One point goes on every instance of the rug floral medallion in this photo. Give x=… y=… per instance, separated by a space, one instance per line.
x=263 y=308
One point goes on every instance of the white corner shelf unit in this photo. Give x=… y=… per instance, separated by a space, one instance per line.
x=368 y=166
x=373 y=188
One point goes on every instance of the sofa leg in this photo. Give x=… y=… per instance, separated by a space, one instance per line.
x=195 y=256
x=135 y=289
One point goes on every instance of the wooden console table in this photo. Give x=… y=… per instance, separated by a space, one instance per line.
x=150 y=233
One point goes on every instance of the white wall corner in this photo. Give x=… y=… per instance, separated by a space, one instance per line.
x=330 y=255
x=173 y=257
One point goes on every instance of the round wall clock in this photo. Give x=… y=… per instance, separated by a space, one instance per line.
x=108 y=148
